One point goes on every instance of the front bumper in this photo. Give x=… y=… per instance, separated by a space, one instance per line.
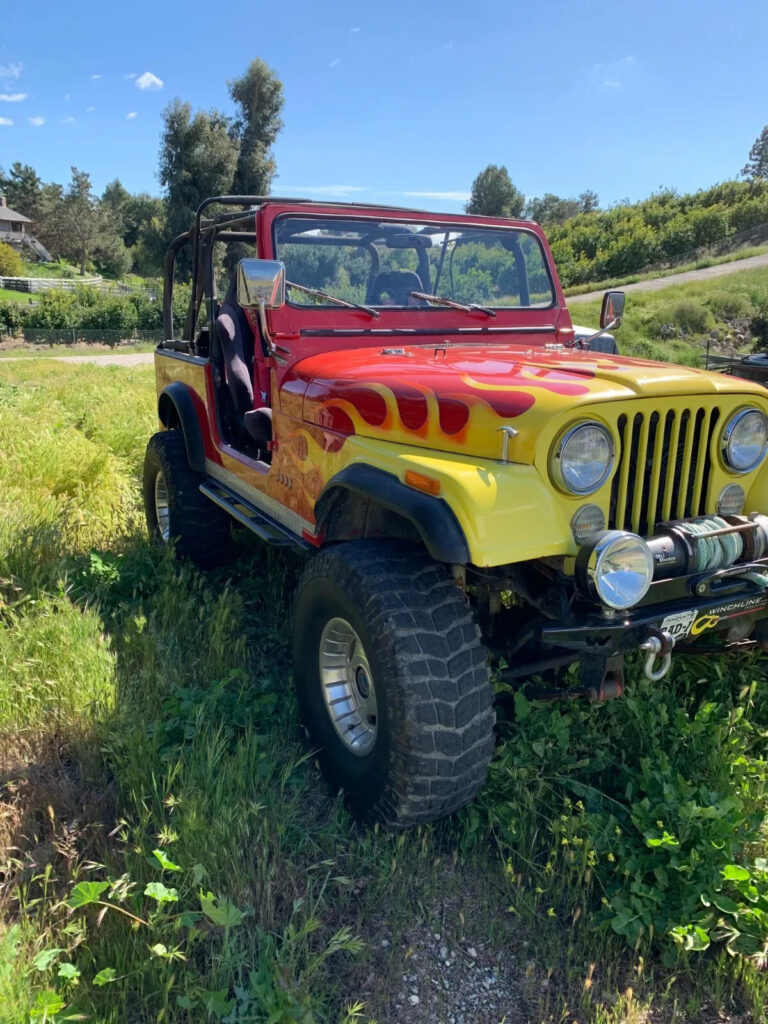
x=684 y=609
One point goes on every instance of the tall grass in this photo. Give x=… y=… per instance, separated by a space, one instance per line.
x=170 y=854
x=674 y=324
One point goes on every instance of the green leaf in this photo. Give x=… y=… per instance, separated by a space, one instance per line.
x=159 y=950
x=86 y=892
x=46 y=1005
x=761 y=864
x=735 y=873
x=165 y=863
x=198 y=873
x=217 y=1002
x=185 y=1002
x=697 y=939
x=45 y=958
x=220 y=912
x=726 y=904
x=160 y=892
x=69 y=972
x=105 y=976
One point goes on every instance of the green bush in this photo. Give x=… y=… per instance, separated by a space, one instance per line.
x=11 y=264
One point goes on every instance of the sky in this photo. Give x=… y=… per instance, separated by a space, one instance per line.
x=402 y=103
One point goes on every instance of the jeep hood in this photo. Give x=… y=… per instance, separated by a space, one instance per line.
x=455 y=397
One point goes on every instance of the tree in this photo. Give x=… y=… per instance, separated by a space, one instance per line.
x=757 y=164
x=21 y=188
x=87 y=226
x=589 y=201
x=494 y=195
x=116 y=198
x=259 y=96
x=198 y=156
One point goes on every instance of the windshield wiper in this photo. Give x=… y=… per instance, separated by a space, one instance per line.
x=332 y=298
x=468 y=307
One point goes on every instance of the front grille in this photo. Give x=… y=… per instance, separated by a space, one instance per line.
x=663 y=467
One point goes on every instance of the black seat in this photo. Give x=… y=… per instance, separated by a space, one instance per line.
x=236 y=339
x=397 y=285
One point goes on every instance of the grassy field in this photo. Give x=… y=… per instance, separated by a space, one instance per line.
x=676 y=323
x=650 y=275
x=169 y=853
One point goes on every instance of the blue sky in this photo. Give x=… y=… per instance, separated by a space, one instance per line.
x=401 y=102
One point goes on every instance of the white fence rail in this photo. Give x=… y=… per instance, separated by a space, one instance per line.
x=43 y=284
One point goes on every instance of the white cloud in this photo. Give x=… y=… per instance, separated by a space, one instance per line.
x=95 y=77
x=11 y=70
x=611 y=84
x=12 y=97
x=132 y=74
x=67 y=120
x=149 y=82
x=36 y=121
x=6 y=121
x=354 y=30
x=131 y=116
x=89 y=109
x=334 y=62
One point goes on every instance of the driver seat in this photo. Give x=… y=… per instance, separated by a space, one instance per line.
x=236 y=339
x=398 y=284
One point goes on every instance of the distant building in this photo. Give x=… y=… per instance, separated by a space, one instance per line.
x=15 y=232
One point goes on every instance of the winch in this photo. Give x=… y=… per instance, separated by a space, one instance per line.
x=707 y=544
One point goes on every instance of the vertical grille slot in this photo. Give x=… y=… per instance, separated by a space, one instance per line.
x=663 y=470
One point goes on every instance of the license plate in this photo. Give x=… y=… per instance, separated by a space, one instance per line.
x=678 y=625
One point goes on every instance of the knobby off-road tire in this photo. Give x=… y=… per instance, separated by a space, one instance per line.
x=175 y=508
x=419 y=737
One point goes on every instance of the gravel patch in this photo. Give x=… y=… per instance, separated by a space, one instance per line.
x=436 y=978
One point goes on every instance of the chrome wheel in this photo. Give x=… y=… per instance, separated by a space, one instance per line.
x=162 y=509
x=348 y=690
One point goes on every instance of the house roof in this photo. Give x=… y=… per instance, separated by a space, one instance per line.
x=6 y=214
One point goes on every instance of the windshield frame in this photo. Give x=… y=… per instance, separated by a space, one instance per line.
x=450 y=222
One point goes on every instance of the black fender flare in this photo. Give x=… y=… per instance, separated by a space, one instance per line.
x=433 y=518
x=176 y=399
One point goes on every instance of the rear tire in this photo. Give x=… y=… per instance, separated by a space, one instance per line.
x=392 y=681
x=175 y=509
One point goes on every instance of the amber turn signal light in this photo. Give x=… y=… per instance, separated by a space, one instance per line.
x=428 y=484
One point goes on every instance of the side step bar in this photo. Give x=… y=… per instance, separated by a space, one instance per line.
x=248 y=515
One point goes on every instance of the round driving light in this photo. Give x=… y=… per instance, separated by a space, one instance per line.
x=586 y=521
x=582 y=458
x=617 y=567
x=745 y=440
x=731 y=500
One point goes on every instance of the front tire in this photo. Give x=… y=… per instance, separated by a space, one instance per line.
x=174 y=507
x=392 y=681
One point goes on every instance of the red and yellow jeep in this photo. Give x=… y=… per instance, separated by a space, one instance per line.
x=403 y=396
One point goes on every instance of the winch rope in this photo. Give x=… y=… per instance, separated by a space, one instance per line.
x=713 y=552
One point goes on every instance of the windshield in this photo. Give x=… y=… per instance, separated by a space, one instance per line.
x=381 y=263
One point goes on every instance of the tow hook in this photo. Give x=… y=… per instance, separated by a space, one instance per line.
x=658 y=645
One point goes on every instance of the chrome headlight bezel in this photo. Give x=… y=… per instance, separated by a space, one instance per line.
x=559 y=451
x=730 y=437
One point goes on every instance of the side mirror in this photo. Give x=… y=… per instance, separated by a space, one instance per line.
x=261 y=284
x=613 y=310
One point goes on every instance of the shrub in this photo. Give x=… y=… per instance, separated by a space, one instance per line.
x=759 y=330
x=11 y=264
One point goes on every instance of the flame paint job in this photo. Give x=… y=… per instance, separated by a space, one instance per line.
x=437 y=406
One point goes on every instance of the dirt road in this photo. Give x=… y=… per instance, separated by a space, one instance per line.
x=658 y=283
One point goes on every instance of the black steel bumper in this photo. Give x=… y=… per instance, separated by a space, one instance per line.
x=685 y=609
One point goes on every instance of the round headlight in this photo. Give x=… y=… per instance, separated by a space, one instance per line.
x=745 y=440
x=582 y=458
x=617 y=567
